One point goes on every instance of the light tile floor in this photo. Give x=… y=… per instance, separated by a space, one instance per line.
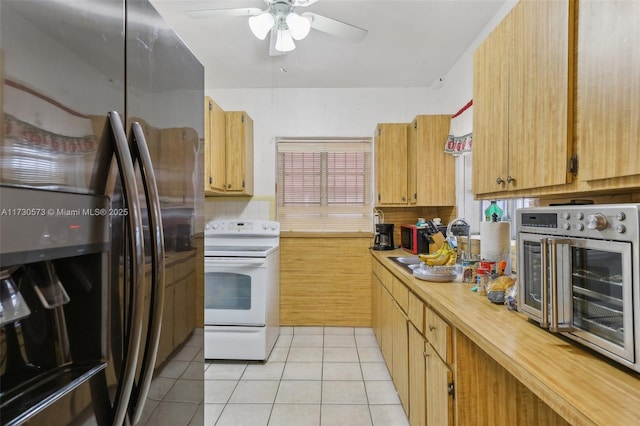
x=176 y=393
x=316 y=376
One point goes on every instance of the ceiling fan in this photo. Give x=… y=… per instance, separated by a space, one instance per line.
x=285 y=25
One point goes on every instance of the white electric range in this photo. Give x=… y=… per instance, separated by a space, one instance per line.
x=242 y=289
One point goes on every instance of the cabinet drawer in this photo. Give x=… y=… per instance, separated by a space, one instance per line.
x=376 y=267
x=416 y=312
x=438 y=333
x=386 y=278
x=401 y=294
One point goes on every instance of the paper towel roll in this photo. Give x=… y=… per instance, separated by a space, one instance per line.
x=495 y=241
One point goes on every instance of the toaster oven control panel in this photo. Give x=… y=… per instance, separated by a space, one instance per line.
x=615 y=222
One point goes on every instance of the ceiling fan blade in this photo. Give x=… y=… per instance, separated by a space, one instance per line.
x=336 y=28
x=303 y=3
x=210 y=13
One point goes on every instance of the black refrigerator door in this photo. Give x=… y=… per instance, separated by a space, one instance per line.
x=63 y=104
x=63 y=66
x=165 y=118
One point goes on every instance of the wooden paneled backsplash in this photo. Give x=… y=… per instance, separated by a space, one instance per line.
x=325 y=280
x=409 y=215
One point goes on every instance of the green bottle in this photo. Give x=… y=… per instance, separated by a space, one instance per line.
x=493 y=213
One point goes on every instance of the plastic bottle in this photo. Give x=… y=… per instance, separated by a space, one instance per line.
x=493 y=213
x=483 y=278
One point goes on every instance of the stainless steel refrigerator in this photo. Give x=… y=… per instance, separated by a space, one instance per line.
x=100 y=197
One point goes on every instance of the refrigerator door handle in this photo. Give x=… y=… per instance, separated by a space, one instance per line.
x=156 y=303
x=136 y=243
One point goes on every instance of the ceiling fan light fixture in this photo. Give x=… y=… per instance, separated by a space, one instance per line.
x=261 y=24
x=284 y=41
x=299 y=25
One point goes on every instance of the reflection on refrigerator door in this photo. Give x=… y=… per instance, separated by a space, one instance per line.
x=54 y=319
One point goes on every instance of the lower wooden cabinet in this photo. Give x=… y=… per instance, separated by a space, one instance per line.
x=417 y=378
x=400 y=355
x=376 y=287
x=439 y=390
x=398 y=317
x=386 y=327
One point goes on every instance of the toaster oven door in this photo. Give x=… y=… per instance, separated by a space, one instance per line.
x=582 y=288
x=535 y=279
x=601 y=283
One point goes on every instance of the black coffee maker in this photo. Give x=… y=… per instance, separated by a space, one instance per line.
x=383 y=239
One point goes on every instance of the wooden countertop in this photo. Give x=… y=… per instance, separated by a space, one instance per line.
x=580 y=386
x=173 y=257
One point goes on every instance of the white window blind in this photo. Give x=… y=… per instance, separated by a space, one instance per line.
x=324 y=185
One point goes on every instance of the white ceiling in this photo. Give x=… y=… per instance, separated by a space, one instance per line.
x=411 y=43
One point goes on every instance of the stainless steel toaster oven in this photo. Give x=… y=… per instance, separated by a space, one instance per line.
x=579 y=275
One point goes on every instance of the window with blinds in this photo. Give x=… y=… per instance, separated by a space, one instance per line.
x=324 y=185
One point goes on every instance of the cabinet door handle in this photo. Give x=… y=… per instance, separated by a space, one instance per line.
x=451 y=390
x=425 y=354
x=510 y=179
x=404 y=198
x=431 y=328
x=499 y=181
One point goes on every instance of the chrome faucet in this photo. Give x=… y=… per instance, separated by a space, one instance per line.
x=460 y=220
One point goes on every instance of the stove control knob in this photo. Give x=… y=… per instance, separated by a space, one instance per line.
x=215 y=226
x=207 y=227
x=597 y=222
x=580 y=227
x=579 y=216
x=265 y=225
x=567 y=226
x=621 y=216
x=621 y=229
x=566 y=215
x=274 y=226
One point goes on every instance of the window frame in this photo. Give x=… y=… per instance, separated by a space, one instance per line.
x=327 y=215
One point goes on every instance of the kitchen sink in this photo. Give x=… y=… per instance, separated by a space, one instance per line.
x=407 y=262
x=410 y=260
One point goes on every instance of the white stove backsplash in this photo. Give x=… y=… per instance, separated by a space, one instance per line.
x=239 y=209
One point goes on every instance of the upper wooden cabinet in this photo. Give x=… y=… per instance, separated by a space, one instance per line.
x=215 y=146
x=228 y=151
x=608 y=90
x=391 y=164
x=239 y=154
x=523 y=100
x=411 y=166
x=433 y=182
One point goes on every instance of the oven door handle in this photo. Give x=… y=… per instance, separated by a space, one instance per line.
x=555 y=327
x=234 y=261
x=544 y=287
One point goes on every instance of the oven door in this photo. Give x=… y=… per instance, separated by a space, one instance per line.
x=601 y=282
x=235 y=291
x=534 y=283
x=580 y=287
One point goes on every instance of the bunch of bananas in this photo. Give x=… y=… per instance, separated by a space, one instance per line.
x=444 y=256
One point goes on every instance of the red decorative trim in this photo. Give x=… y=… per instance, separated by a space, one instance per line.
x=463 y=109
x=43 y=97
